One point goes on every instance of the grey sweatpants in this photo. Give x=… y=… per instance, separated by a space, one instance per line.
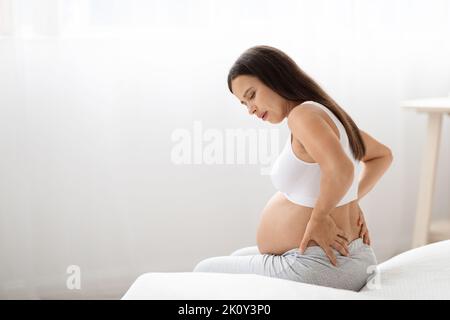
x=313 y=266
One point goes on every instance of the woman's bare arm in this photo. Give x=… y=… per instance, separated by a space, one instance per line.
x=375 y=163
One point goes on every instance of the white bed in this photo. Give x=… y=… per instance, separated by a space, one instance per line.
x=421 y=273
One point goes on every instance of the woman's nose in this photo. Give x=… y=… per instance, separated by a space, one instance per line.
x=251 y=110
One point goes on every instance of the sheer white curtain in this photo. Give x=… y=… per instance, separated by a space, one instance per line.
x=91 y=91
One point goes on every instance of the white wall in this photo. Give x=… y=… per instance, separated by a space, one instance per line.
x=86 y=120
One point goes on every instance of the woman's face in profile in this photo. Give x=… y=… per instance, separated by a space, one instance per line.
x=259 y=99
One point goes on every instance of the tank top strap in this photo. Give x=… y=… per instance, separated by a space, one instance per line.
x=337 y=122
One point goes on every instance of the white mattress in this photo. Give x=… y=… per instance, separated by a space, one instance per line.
x=421 y=273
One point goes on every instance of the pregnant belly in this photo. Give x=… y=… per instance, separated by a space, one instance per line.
x=283 y=224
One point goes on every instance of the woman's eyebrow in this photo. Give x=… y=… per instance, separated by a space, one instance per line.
x=246 y=94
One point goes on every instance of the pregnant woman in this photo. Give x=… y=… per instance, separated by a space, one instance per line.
x=312 y=230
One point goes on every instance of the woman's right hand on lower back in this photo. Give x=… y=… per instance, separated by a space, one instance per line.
x=324 y=231
x=363 y=231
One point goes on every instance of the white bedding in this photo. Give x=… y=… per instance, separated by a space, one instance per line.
x=421 y=273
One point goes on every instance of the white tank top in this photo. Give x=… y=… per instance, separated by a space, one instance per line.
x=299 y=181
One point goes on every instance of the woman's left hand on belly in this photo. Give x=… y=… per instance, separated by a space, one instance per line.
x=327 y=234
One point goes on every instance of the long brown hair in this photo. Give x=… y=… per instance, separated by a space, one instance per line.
x=281 y=74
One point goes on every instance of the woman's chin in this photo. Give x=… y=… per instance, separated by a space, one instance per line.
x=274 y=121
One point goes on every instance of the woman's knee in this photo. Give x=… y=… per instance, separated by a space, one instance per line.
x=203 y=266
x=247 y=251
